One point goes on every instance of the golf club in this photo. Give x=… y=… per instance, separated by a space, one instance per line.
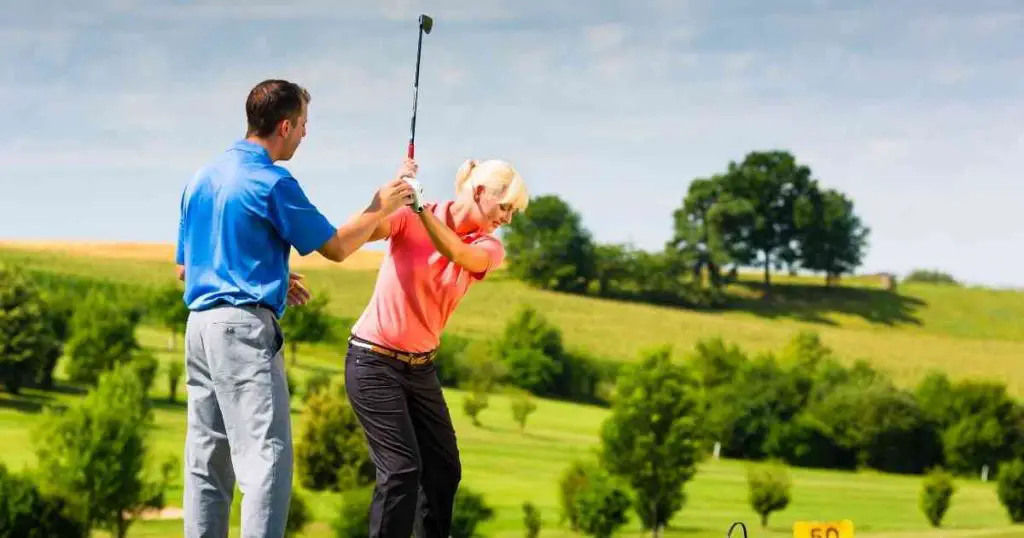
x=425 y=26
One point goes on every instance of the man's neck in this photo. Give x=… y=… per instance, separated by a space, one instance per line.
x=265 y=144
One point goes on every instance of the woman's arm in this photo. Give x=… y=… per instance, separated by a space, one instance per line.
x=472 y=258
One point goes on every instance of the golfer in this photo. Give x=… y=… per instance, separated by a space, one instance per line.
x=390 y=378
x=240 y=217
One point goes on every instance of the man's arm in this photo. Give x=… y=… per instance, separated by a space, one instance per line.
x=352 y=235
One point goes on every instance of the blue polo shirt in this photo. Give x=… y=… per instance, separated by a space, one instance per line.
x=240 y=217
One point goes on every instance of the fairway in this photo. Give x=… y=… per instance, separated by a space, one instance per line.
x=509 y=467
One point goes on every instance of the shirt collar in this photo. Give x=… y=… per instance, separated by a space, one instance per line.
x=253 y=148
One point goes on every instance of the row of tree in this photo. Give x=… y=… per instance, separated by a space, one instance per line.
x=766 y=211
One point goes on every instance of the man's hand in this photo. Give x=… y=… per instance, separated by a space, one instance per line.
x=298 y=294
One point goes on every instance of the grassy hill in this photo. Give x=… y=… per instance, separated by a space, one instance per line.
x=966 y=332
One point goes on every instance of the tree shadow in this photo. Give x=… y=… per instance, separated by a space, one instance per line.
x=33 y=403
x=164 y=404
x=813 y=304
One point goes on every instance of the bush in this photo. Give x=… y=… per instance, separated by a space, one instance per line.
x=807 y=441
x=1010 y=489
x=317 y=381
x=331 y=453
x=769 y=487
x=601 y=505
x=25 y=512
x=102 y=336
x=531 y=350
x=522 y=405
x=573 y=480
x=298 y=514
x=27 y=339
x=144 y=365
x=353 y=519
x=449 y=372
x=175 y=369
x=531 y=520
x=936 y=491
x=470 y=510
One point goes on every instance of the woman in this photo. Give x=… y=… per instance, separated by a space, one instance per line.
x=433 y=257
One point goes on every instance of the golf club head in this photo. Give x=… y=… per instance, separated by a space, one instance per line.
x=426 y=23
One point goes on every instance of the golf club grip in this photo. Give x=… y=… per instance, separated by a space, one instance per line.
x=412 y=149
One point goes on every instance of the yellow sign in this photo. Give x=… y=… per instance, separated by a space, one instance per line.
x=823 y=529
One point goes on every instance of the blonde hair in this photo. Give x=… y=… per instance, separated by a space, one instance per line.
x=495 y=175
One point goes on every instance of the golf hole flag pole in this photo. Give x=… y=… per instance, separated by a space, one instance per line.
x=821 y=529
x=426 y=24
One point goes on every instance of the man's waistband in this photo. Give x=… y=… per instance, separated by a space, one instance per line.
x=408 y=357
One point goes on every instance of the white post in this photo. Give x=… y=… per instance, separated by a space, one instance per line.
x=718 y=450
x=984 y=473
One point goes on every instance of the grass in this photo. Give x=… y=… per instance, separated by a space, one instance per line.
x=509 y=466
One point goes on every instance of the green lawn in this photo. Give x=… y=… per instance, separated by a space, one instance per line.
x=510 y=467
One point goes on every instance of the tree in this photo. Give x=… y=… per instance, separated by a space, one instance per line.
x=937 y=489
x=469 y=511
x=531 y=519
x=96 y=452
x=1010 y=489
x=653 y=436
x=769 y=489
x=308 y=323
x=832 y=237
x=531 y=350
x=331 y=453
x=102 y=336
x=522 y=405
x=26 y=512
x=474 y=403
x=168 y=305
x=601 y=505
x=696 y=238
x=27 y=339
x=549 y=247
x=175 y=369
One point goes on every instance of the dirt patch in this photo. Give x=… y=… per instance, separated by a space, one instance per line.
x=168 y=512
x=362 y=260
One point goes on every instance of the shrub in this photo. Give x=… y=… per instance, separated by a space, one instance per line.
x=522 y=405
x=317 y=381
x=298 y=514
x=25 y=512
x=531 y=519
x=353 y=519
x=769 y=487
x=331 y=453
x=102 y=336
x=601 y=504
x=144 y=365
x=449 y=371
x=470 y=510
x=531 y=349
x=1010 y=489
x=175 y=369
x=27 y=339
x=936 y=491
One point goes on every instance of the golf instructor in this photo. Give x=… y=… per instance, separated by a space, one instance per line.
x=240 y=217
x=431 y=260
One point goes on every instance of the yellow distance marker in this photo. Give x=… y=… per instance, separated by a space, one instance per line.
x=823 y=529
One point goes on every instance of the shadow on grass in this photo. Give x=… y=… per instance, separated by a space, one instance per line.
x=813 y=304
x=33 y=403
x=164 y=404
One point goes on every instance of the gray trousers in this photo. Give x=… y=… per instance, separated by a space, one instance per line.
x=238 y=423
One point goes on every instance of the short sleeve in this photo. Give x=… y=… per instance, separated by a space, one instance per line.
x=399 y=221
x=495 y=252
x=179 y=255
x=298 y=221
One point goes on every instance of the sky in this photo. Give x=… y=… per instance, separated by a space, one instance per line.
x=915 y=109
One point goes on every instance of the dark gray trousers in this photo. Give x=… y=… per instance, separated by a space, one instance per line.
x=411 y=442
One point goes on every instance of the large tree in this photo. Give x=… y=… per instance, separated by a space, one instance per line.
x=27 y=338
x=548 y=246
x=832 y=237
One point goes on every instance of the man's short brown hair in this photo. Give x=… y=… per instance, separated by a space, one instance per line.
x=271 y=101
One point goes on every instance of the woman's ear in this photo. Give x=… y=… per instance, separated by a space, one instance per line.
x=477 y=193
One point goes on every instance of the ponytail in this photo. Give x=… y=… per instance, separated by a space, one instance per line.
x=463 y=173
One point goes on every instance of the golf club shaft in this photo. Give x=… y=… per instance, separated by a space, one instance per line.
x=415 y=95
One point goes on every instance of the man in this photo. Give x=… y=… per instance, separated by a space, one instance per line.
x=240 y=217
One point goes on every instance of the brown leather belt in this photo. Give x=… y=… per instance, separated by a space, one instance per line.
x=412 y=359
